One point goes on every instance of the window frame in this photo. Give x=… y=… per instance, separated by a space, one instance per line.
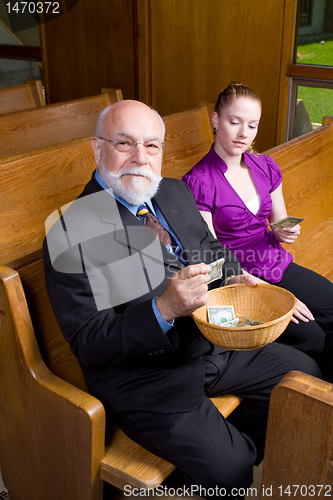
x=294 y=84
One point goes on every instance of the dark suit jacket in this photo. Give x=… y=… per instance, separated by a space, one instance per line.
x=127 y=361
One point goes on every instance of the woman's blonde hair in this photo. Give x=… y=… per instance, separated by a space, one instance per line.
x=231 y=92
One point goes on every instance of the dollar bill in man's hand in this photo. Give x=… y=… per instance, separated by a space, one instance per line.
x=287 y=222
x=222 y=315
x=216 y=272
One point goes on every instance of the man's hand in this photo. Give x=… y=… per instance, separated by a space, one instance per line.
x=185 y=292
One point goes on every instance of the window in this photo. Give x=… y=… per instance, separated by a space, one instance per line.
x=20 y=54
x=311 y=74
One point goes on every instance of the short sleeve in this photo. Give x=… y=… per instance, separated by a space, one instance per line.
x=202 y=194
x=274 y=173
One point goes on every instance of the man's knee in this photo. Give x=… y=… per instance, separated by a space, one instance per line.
x=306 y=337
x=293 y=359
x=235 y=472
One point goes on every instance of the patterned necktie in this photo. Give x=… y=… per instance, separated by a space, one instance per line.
x=150 y=220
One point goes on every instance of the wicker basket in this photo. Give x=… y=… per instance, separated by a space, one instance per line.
x=263 y=302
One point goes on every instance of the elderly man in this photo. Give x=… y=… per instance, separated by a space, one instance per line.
x=123 y=296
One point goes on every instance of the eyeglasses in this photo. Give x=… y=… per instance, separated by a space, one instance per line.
x=128 y=146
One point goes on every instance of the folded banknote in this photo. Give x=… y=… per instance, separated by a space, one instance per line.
x=216 y=272
x=287 y=222
x=225 y=316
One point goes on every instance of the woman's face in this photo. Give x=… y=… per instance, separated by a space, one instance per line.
x=236 y=127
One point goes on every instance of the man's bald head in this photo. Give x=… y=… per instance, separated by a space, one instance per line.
x=110 y=112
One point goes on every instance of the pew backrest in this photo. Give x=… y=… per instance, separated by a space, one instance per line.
x=51 y=177
x=188 y=138
x=28 y=130
x=307 y=168
x=35 y=185
x=28 y=95
x=210 y=109
x=114 y=94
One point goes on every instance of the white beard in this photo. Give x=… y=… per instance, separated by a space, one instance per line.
x=136 y=195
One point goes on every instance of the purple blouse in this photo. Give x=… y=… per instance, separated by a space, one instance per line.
x=246 y=234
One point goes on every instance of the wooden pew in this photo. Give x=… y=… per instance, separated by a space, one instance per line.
x=25 y=131
x=210 y=109
x=327 y=120
x=115 y=95
x=306 y=164
x=299 y=442
x=188 y=138
x=28 y=95
x=64 y=169
x=307 y=168
x=33 y=373
x=300 y=428
x=55 y=445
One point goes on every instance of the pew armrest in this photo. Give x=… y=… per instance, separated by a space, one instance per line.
x=54 y=431
x=299 y=438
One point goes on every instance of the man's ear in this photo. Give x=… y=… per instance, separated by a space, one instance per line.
x=96 y=145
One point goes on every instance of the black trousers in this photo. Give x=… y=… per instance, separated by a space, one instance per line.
x=209 y=450
x=315 y=337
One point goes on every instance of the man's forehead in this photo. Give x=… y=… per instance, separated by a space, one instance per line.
x=134 y=121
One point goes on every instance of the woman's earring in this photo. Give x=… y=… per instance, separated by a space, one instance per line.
x=215 y=130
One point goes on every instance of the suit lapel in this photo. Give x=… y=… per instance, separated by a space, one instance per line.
x=176 y=216
x=170 y=212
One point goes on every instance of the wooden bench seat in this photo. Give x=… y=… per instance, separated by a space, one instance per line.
x=28 y=95
x=126 y=462
x=31 y=129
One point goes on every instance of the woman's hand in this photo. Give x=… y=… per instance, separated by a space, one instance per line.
x=301 y=313
x=287 y=234
x=278 y=212
x=246 y=278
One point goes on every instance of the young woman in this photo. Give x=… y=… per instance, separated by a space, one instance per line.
x=237 y=192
